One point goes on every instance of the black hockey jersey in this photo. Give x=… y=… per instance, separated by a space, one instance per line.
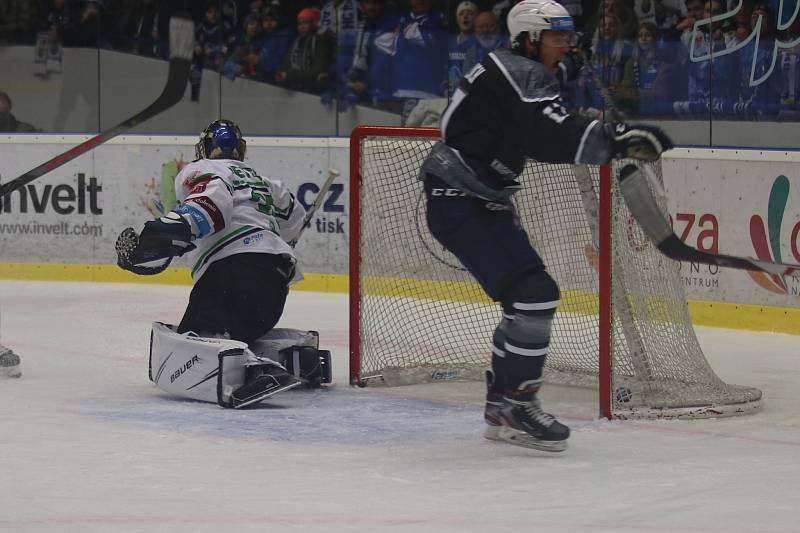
x=506 y=109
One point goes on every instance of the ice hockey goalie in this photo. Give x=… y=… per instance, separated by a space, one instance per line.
x=231 y=373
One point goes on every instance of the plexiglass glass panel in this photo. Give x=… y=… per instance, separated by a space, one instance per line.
x=698 y=68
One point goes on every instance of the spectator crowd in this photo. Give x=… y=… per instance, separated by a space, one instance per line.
x=657 y=58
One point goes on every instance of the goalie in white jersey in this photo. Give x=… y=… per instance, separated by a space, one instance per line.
x=238 y=229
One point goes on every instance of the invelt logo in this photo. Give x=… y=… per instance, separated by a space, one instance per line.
x=767 y=240
x=63 y=199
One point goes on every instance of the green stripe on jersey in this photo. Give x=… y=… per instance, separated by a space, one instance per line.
x=222 y=243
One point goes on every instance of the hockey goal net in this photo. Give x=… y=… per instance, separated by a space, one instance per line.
x=623 y=324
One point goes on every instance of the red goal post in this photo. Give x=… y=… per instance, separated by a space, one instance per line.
x=416 y=315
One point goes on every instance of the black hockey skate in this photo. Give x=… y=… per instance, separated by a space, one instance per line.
x=525 y=424
x=491 y=413
x=261 y=382
x=9 y=363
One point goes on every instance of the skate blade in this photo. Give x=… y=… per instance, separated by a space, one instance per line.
x=255 y=398
x=520 y=438
x=492 y=432
x=10 y=371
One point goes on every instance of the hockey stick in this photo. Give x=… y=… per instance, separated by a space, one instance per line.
x=181 y=39
x=635 y=184
x=332 y=175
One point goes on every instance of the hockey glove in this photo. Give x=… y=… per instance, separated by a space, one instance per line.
x=638 y=141
x=167 y=236
x=162 y=238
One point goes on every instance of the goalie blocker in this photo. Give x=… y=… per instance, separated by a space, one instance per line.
x=230 y=373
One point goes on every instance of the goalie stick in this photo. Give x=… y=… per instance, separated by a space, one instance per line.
x=181 y=39
x=332 y=175
x=128 y=241
x=636 y=184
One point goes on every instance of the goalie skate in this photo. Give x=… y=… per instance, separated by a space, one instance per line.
x=9 y=363
x=263 y=381
x=526 y=425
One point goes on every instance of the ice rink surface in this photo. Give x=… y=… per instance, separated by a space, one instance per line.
x=89 y=444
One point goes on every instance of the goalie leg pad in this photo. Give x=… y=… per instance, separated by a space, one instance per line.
x=308 y=364
x=298 y=351
x=217 y=370
x=200 y=368
x=277 y=339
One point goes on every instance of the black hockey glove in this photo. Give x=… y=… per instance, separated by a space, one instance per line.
x=162 y=238
x=169 y=235
x=638 y=141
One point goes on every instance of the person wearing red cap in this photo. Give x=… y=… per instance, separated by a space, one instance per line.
x=309 y=14
x=306 y=65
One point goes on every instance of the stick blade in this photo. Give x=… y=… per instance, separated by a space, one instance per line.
x=637 y=185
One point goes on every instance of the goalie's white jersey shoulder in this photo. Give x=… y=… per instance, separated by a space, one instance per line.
x=233 y=209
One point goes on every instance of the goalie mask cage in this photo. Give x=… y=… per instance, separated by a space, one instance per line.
x=416 y=315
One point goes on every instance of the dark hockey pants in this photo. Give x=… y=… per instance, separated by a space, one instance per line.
x=493 y=247
x=242 y=295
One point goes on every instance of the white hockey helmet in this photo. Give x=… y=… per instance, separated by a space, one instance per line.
x=535 y=16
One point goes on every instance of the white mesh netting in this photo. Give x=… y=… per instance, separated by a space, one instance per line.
x=423 y=318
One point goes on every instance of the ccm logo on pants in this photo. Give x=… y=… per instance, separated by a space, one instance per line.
x=447 y=192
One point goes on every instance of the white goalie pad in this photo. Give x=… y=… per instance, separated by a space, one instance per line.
x=298 y=351
x=278 y=339
x=200 y=368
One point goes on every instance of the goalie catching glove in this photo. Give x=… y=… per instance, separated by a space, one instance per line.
x=162 y=238
x=638 y=141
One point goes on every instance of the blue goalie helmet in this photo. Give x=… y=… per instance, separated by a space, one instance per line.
x=222 y=139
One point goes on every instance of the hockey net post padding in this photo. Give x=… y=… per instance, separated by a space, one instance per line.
x=416 y=315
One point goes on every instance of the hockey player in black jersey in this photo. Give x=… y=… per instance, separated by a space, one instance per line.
x=506 y=109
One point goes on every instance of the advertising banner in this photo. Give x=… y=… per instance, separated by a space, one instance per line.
x=738 y=202
x=729 y=201
x=74 y=213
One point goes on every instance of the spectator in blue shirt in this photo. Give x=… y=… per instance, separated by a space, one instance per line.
x=460 y=44
x=276 y=41
x=418 y=66
x=245 y=50
x=369 y=78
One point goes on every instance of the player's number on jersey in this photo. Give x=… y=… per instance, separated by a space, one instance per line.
x=264 y=202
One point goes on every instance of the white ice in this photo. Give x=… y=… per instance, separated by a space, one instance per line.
x=89 y=444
